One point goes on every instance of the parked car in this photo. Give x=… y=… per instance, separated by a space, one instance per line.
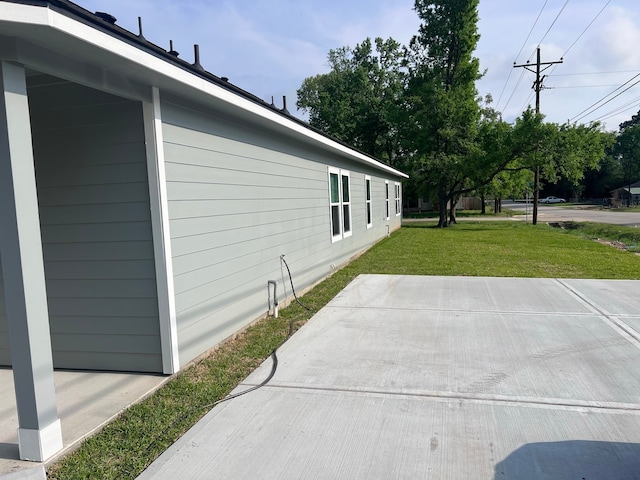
x=552 y=200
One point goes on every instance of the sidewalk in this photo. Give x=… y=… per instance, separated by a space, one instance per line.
x=438 y=377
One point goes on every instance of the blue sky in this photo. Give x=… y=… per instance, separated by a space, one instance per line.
x=269 y=47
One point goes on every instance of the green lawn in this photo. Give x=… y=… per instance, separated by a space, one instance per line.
x=127 y=445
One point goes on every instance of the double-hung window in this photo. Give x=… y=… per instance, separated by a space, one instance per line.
x=340 y=203
x=386 y=199
x=367 y=193
x=398 y=204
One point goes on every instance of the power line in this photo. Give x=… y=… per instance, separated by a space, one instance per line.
x=514 y=90
x=527 y=101
x=588 y=26
x=554 y=22
x=584 y=86
x=531 y=31
x=542 y=40
x=591 y=73
x=583 y=32
x=633 y=104
x=591 y=107
x=518 y=55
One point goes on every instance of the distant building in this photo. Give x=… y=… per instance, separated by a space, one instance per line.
x=626 y=195
x=145 y=204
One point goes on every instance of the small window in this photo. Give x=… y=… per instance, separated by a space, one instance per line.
x=336 y=221
x=340 y=203
x=398 y=202
x=346 y=204
x=386 y=201
x=367 y=193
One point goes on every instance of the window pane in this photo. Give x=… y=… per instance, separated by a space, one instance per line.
x=368 y=188
x=368 y=214
x=345 y=188
x=335 y=220
x=346 y=217
x=335 y=191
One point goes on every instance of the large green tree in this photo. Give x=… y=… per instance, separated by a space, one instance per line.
x=441 y=97
x=564 y=151
x=627 y=149
x=416 y=108
x=358 y=100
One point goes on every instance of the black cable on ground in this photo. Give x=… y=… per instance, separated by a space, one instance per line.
x=292 y=288
x=274 y=367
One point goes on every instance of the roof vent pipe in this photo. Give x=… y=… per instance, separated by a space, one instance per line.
x=284 y=105
x=140 y=36
x=107 y=17
x=196 y=53
x=171 y=50
x=224 y=79
x=273 y=104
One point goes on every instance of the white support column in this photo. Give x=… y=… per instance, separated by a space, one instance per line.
x=39 y=431
x=161 y=235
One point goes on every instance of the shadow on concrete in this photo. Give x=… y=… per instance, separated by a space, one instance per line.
x=9 y=451
x=574 y=460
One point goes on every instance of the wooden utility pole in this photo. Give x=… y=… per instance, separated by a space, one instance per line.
x=537 y=86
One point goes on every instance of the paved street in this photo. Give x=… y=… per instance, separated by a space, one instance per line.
x=555 y=213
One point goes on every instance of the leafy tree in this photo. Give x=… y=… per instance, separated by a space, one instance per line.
x=563 y=151
x=627 y=149
x=441 y=96
x=416 y=108
x=357 y=101
x=610 y=174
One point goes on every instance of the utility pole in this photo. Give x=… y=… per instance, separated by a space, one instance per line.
x=537 y=86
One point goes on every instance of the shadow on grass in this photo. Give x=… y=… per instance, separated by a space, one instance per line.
x=467 y=226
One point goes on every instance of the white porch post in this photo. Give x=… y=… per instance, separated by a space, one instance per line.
x=161 y=237
x=39 y=431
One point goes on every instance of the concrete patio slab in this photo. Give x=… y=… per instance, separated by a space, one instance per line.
x=438 y=377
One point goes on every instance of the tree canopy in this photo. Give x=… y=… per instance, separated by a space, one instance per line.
x=357 y=101
x=416 y=108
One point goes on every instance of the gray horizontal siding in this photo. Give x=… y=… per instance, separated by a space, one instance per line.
x=96 y=228
x=238 y=198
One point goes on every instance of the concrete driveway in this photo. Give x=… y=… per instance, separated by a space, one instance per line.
x=406 y=377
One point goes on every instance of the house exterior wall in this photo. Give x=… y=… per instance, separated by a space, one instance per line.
x=94 y=213
x=239 y=197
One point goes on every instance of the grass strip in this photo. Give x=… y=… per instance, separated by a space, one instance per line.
x=627 y=237
x=126 y=446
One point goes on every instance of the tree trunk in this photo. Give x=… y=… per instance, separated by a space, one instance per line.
x=442 y=206
x=452 y=211
x=483 y=208
x=452 y=217
x=536 y=196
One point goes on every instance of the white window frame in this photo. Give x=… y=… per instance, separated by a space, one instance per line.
x=386 y=201
x=368 y=212
x=343 y=205
x=346 y=204
x=398 y=199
